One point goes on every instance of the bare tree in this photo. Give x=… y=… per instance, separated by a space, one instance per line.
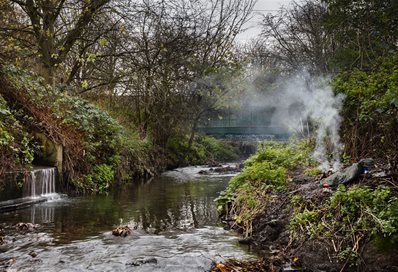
x=175 y=46
x=169 y=58
x=297 y=38
x=362 y=30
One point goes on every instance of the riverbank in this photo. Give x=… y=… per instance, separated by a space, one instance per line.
x=294 y=220
x=93 y=147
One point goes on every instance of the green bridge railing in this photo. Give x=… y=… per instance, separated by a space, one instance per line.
x=248 y=131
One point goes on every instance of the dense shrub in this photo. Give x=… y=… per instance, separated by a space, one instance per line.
x=16 y=148
x=204 y=149
x=90 y=137
x=265 y=173
x=101 y=133
x=99 y=179
x=102 y=140
x=370 y=111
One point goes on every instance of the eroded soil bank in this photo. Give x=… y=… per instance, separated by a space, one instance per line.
x=271 y=234
x=281 y=251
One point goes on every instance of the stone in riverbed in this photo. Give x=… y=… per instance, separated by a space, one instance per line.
x=33 y=254
x=143 y=261
x=122 y=231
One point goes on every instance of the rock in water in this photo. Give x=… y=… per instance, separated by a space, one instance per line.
x=349 y=174
x=144 y=261
x=33 y=254
x=2 y=237
x=122 y=231
x=245 y=241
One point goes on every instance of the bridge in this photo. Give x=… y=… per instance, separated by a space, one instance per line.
x=264 y=132
x=247 y=126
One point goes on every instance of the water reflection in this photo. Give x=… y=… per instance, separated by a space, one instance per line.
x=42 y=214
x=173 y=218
x=166 y=203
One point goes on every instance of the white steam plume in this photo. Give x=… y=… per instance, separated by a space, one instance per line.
x=302 y=98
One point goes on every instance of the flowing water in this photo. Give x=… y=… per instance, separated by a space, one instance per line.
x=20 y=190
x=40 y=182
x=173 y=218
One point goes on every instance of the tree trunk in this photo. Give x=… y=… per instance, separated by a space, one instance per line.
x=47 y=73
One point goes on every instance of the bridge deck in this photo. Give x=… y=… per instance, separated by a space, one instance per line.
x=272 y=131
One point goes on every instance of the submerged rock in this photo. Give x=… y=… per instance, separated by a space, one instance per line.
x=143 y=261
x=227 y=169
x=5 y=263
x=212 y=163
x=122 y=231
x=33 y=254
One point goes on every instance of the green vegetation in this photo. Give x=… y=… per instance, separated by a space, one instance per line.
x=371 y=108
x=124 y=95
x=350 y=218
x=346 y=221
x=312 y=171
x=101 y=140
x=97 y=148
x=204 y=150
x=90 y=137
x=265 y=173
x=16 y=148
x=118 y=111
x=99 y=179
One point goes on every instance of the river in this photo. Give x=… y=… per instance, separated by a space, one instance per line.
x=173 y=219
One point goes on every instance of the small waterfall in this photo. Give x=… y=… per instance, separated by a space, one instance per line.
x=40 y=182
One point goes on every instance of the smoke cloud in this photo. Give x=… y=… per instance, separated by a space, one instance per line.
x=299 y=102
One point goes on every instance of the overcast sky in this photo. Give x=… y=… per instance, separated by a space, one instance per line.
x=262 y=7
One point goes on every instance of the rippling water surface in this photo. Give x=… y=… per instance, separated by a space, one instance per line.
x=173 y=217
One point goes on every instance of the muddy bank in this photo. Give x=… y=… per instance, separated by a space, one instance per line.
x=271 y=235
